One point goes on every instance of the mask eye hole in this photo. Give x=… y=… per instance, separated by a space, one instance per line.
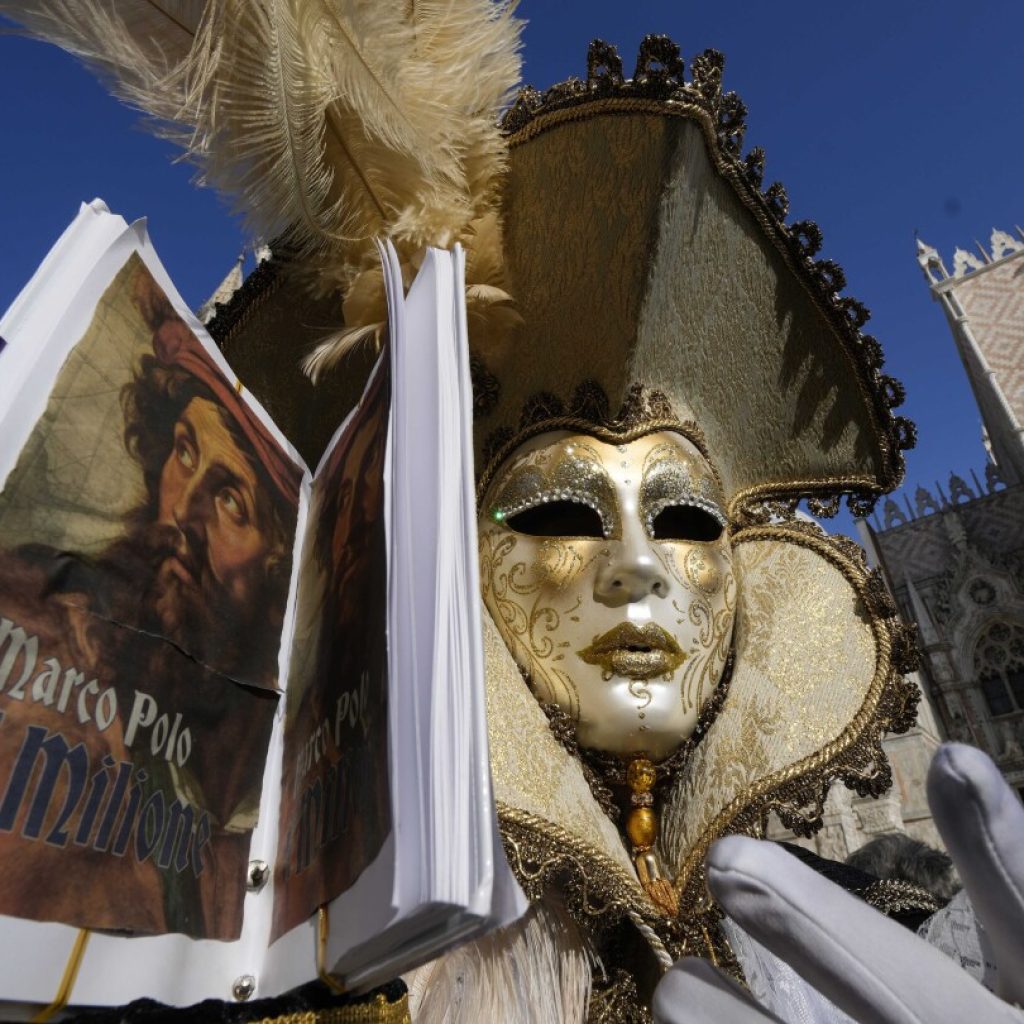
x=685 y=522
x=558 y=519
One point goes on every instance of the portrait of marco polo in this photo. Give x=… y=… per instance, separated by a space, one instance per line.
x=146 y=539
x=212 y=537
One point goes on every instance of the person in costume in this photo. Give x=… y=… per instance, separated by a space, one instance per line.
x=693 y=657
x=663 y=370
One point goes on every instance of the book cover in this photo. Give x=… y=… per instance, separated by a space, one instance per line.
x=146 y=536
x=335 y=800
x=233 y=704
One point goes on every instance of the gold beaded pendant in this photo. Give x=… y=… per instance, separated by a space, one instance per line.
x=642 y=832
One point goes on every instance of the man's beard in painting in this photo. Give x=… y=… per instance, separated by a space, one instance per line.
x=198 y=616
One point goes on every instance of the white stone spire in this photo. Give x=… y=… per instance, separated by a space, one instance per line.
x=231 y=283
x=983 y=300
x=931 y=262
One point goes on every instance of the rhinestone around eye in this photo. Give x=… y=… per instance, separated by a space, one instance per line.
x=501 y=515
x=691 y=500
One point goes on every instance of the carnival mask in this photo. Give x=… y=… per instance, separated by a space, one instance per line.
x=608 y=571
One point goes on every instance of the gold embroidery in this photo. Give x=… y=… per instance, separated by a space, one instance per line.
x=598 y=887
x=379 y=1011
x=893 y=896
x=615 y=1000
x=598 y=893
x=797 y=791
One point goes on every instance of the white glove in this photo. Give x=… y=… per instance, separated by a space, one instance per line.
x=870 y=967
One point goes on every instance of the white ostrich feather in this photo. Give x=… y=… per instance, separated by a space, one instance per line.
x=334 y=347
x=140 y=50
x=327 y=122
x=536 y=971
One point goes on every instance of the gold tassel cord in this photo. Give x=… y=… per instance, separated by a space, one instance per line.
x=323 y=932
x=68 y=979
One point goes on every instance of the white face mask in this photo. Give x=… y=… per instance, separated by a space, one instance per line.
x=608 y=571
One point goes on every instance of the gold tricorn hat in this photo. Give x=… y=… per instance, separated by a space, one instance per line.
x=640 y=250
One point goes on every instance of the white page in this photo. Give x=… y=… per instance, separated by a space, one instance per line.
x=33 y=312
x=171 y=968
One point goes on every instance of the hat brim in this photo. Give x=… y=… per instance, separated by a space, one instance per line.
x=637 y=252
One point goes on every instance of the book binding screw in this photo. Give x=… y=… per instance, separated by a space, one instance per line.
x=257 y=875
x=243 y=987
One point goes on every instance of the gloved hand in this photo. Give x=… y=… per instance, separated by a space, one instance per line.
x=870 y=967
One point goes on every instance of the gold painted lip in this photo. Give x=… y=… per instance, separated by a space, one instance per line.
x=636 y=652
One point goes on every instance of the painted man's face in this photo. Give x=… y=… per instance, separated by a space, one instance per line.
x=208 y=504
x=608 y=571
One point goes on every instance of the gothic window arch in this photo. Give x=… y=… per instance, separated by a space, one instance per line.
x=999 y=666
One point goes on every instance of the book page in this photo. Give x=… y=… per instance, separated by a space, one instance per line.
x=146 y=536
x=335 y=802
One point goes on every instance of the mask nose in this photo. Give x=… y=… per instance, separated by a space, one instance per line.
x=632 y=573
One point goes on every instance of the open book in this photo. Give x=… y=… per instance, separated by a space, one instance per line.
x=242 y=724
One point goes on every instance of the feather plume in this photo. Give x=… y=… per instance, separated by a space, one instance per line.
x=334 y=347
x=325 y=137
x=327 y=122
x=161 y=28
x=477 y=42
x=139 y=50
x=536 y=971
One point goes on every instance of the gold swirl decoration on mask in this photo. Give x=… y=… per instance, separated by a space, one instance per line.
x=531 y=628
x=704 y=669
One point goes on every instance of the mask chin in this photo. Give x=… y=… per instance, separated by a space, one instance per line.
x=608 y=571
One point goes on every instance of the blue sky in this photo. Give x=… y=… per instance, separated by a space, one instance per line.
x=881 y=118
